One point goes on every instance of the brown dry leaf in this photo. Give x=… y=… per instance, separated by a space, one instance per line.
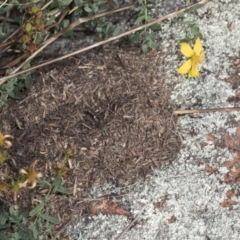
x=32 y=47
x=230 y=194
x=172 y=219
x=229 y=142
x=107 y=206
x=152 y=103
x=228 y=203
x=209 y=169
x=234 y=170
x=210 y=137
x=161 y=203
x=235 y=98
x=41 y=27
x=238 y=130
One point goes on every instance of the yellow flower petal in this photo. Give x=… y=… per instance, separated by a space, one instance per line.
x=7 y=144
x=186 y=50
x=198 y=47
x=185 y=67
x=22 y=171
x=193 y=71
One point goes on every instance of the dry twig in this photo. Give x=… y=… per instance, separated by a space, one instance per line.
x=107 y=206
x=191 y=111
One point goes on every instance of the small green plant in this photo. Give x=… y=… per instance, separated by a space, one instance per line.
x=193 y=29
x=146 y=36
x=15 y=86
x=102 y=28
x=36 y=224
x=33 y=224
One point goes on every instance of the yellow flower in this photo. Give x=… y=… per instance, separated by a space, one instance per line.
x=30 y=176
x=195 y=57
x=4 y=142
x=68 y=153
x=60 y=170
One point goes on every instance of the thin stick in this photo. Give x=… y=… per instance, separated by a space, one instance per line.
x=3 y=3
x=2 y=80
x=134 y=220
x=190 y=111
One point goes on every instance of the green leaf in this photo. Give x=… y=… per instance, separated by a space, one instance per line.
x=184 y=40
x=148 y=19
x=79 y=3
x=134 y=37
x=154 y=45
x=87 y=9
x=103 y=9
x=39 y=224
x=100 y=2
x=16 y=236
x=34 y=230
x=99 y=29
x=43 y=184
x=116 y=31
x=3 y=226
x=156 y=27
x=12 y=211
x=145 y=47
x=66 y=22
x=3 y=217
x=50 y=20
x=63 y=190
x=37 y=209
x=109 y=28
x=28 y=81
x=3 y=236
x=50 y=219
x=140 y=19
x=152 y=1
x=6 y=9
x=14 y=96
x=95 y=9
x=66 y=2
x=57 y=182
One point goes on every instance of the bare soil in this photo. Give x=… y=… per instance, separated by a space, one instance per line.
x=111 y=106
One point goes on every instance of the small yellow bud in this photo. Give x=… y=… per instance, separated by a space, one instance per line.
x=28 y=27
x=34 y=9
x=36 y=22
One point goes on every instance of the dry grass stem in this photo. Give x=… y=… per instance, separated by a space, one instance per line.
x=191 y=111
